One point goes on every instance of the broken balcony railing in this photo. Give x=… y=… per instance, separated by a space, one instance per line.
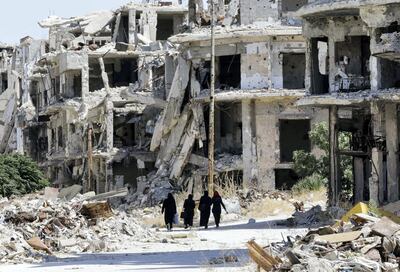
x=352 y=84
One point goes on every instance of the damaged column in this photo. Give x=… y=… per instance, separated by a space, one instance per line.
x=376 y=180
x=148 y=24
x=392 y=146
x=249 y=170
x=333 y=157
x=132 y=27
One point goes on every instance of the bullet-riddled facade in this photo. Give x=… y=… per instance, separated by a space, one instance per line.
x=120 y=98
x=353 y=70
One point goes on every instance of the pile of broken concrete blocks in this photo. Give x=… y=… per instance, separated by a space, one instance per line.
x=34 y=226
x=366 y=243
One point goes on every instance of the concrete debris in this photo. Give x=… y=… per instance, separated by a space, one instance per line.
x=120 y=99
x=117 y=99
x=96 y=210
x=352 y=247
x=34 y=225
x=314 y=216
x=69 y=192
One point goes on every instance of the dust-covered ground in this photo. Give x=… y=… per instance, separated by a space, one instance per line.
x=143 y=244
x=179 y=250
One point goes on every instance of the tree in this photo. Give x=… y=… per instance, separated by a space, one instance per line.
x=20 y=175
x=316 y=170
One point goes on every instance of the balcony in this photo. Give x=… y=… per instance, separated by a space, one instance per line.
x=352 y=84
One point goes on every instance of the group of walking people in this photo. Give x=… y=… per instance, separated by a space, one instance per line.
x=206 y=202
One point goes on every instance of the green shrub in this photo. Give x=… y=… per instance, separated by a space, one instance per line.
x=305 y=164
x=20 y=175
x=309 y=168
x=314 y=182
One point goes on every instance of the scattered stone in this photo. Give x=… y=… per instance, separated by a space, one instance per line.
x=363 y=245
x=34 y=226
x=224 y=259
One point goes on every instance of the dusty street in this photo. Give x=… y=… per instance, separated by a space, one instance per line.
x=193 y=253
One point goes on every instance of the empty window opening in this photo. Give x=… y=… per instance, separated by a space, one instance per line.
x=203 y=75
x=285 y=179
x=165 y=28
x=158 y=81
x=127 y=171
x=34 y=91
x=55 y=82
x=294 y=66
x=229 y=128
x=53 y=138
x=45 y=97
x=352 y=64
x=390 y=74
x=292 y=5
x=72 y=128
x=123 y=30
x=293 y=136
x=124 y=72
x=121 y=72
x=4 y=82
x=72 y=87
x=60 y=137
x=124 y=130
x=228 y=74
x=319 y=66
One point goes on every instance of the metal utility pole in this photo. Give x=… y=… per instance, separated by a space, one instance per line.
x=90 y=158
x=212 y=106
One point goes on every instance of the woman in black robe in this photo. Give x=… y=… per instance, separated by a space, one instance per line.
x=188 y=211
x=169 y=211
x=216 y=210
x=205 y=209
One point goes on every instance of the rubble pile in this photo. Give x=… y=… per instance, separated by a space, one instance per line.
x=251 y=196
x=366 y=243
x=32 y=225
x=314 y=216
x=151 y=190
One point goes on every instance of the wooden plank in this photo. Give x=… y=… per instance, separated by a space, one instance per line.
x=271 y=259
x=261 y=257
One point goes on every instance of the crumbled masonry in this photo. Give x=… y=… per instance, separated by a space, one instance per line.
x=368 y=243
x=35 y=226
x=119 y=98
x=117 y=103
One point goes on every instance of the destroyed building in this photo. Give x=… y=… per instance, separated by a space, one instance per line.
x=353 y=70
x=120 y=98
x=76 y=102
x=260 y=66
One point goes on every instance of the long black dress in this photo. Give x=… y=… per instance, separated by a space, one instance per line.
x=205 y=210
x=216 y=210
x=188 y=208
x=169 y=210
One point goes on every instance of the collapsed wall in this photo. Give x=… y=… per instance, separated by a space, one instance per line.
x=120 y=98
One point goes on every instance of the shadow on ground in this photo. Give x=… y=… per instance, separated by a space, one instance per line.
x=154 y=260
